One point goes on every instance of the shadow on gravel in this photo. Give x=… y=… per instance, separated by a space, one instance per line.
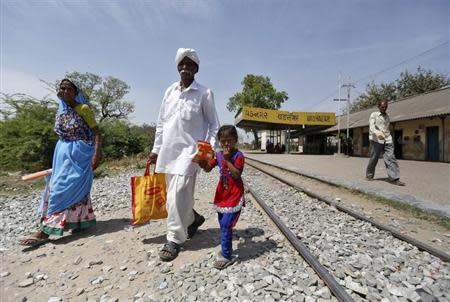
x=203 y=239
x=210 y=238
x=247 y=249
x=155 y=240
x=251 y=248
x=102 y=227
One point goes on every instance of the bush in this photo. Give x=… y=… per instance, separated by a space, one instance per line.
x=120 y=139
x=27 y=139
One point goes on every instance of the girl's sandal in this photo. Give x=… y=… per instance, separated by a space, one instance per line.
x=222 y=262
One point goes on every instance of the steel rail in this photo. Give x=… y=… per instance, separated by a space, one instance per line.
x=419 y=244
x=338 y=291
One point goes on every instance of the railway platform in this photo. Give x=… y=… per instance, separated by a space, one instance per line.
x=427 y=183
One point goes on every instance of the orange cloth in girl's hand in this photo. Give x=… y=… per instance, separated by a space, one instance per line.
x=204 y=152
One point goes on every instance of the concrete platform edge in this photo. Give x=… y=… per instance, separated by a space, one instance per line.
x=422 y=204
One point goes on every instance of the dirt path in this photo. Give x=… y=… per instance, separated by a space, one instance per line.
x=114 y=260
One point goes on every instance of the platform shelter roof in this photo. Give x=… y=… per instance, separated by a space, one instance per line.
x=431 y=104
x=268 y=119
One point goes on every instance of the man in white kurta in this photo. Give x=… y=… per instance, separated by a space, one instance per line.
x=381 y=142
x=187 y=115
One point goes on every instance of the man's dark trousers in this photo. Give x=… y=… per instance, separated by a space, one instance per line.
x=390 y=162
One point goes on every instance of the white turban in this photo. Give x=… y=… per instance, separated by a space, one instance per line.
x=187 y=52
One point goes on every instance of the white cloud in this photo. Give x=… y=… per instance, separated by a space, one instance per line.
x=152 y=16
x=203 y=9
x=14 y=81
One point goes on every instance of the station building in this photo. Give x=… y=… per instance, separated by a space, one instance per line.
x=282 y=130
x=420 y=127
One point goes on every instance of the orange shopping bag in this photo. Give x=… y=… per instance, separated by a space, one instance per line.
x=148 y=196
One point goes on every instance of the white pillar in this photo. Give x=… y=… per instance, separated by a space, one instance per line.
x=263 y=140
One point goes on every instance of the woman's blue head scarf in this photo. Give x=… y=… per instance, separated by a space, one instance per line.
x=79 y=97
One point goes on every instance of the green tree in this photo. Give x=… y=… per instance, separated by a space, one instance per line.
x=122 y=139
x=27 y=139
x=259 y=92
x=407 y=85
x=420 y=82
x=147 y=136
x=373 y=94
x=105 y=94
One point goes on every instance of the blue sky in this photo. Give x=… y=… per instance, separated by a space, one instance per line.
x=301 y=45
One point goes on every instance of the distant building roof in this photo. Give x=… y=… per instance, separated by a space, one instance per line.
x=425 y=105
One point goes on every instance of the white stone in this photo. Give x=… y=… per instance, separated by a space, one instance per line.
x=26 y=282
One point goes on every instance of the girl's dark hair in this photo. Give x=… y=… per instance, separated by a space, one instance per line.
x=227 y=129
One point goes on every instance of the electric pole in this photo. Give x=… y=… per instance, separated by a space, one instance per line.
x=339 y=100
x=349 y=86
x=339 y=120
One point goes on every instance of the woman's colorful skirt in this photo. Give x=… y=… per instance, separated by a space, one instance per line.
x=77 y=217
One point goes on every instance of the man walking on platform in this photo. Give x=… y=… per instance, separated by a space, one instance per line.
x=381 y=141
x=187 y=115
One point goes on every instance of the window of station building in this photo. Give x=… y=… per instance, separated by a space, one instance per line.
x=365 y=139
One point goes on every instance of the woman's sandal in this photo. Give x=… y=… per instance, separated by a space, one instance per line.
x=169 y=251
x=34 y=240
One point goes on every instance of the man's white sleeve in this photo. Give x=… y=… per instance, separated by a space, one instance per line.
x=210 y=112
x=159 y=127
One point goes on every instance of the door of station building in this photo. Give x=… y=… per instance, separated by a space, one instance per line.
x=398 y=143
x=274 y=142
x=433 y=143
x=274 y=136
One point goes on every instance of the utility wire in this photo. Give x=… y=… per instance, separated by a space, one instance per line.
x=402 y=62
x=323 y=100
x=383 y=70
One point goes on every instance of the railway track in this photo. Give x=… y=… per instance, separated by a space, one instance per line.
x=351 y=253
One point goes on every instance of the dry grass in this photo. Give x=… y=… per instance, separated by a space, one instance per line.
x=12 y=185
x=115 y=167
x=410 y=210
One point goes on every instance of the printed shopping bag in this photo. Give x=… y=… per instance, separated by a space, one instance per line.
x=148 y=196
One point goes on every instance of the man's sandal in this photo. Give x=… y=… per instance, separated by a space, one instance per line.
x=169 y=251
x=198 y=221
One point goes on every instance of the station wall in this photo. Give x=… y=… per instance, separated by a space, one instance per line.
x=418 y=139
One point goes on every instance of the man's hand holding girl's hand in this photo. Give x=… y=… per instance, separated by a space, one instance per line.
x=202 y=163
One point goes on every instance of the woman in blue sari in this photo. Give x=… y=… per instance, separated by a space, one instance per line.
x=66 y=203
